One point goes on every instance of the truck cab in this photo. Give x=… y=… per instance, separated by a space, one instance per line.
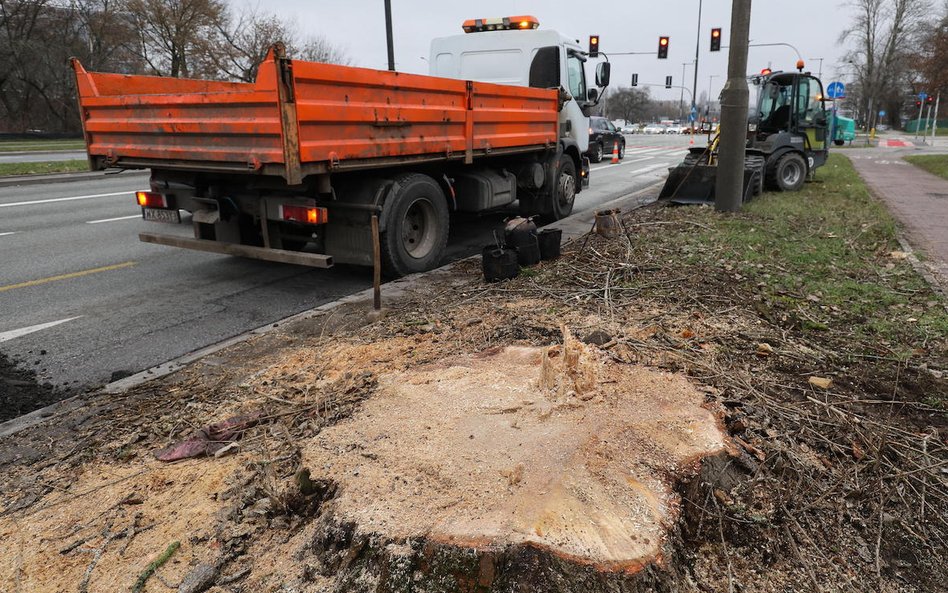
x=515 y=51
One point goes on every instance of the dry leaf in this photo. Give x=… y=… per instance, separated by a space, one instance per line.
x=858 y=452
x=764 y=349
x=821 y=382
x=898 y=255
x=687 y=334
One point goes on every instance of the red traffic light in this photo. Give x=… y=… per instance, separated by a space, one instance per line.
x=716 y=39
x=663 y=47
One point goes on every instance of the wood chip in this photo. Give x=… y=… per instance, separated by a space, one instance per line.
x=821 y=382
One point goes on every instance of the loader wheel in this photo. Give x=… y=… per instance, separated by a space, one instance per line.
x=788 y=173
x=839 y=142
x=597 y=154
x=416 y=226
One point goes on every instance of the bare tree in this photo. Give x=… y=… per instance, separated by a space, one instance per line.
x=246 y=37
x=884 y=34
x=175 y=37
x=630 y=104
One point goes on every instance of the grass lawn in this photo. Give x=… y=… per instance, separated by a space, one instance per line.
x=39 y=145
x=44 y=167
x=933 y=163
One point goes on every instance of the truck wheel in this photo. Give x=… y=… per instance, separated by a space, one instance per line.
x=564 y=191
x=416 y=226
x=788 y=173
x=596 y=155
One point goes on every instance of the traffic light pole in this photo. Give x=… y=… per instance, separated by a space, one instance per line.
x=388 y=35
x=729 y=189
x=694 y=87
x=935 y=118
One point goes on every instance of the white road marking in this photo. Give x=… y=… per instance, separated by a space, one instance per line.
x=8 y=233
x=645 y=170
x=130 y=194
x=619 y=164
x=16 y=333
x=114 y=219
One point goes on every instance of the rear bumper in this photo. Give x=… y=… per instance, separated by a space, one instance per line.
x=314 y=260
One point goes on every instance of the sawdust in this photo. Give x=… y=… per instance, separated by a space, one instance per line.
x=172 y=503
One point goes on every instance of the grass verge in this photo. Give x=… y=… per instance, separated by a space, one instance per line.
x=933 y=163
x=43 y=167
x=40 y=145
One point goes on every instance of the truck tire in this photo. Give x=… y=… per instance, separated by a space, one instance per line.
x=564 y=188
x=416 y=226
x=788 y=173
x=595 y=153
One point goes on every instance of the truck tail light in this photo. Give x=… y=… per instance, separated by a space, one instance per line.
x=150 y=199
x=307 y=214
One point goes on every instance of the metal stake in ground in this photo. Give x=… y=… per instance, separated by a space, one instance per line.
x=733 y=135
x=376 y=264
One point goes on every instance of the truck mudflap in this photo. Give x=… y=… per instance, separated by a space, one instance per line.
x=300 y=258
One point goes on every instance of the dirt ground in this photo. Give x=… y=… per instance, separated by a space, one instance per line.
x=459 y=445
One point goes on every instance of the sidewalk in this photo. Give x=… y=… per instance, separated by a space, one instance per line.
x=918 y=199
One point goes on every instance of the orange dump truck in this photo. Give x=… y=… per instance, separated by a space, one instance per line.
x=292 y=167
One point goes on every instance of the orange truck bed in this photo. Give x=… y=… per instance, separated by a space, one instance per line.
x=301 y=118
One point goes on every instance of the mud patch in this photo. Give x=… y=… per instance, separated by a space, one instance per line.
x=20 y=392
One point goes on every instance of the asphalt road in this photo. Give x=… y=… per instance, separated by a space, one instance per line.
x=41 y=156
x=81 y=298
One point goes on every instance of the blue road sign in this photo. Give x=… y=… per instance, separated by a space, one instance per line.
x=922 y=96
x=882 y=113
x=836 y=90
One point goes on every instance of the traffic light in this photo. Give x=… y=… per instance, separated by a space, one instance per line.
x=918 y=103
x=929 y=100
x=635 y=80
x=668 y=82
x=662 y=48
x=594 y=46
x=716 y=39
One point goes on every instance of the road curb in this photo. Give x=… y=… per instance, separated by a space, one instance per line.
x=26 y=180
x=572 y=226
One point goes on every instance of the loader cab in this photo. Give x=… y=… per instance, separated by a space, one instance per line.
x=790 y=115
x=516 y=51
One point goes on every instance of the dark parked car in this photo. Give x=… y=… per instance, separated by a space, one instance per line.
x=602 y=137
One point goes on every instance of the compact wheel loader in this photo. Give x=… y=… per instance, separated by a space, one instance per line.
x=786 y=140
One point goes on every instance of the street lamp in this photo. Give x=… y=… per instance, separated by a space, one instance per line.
x=707 y=108
x=694 y=88
x=681 y=98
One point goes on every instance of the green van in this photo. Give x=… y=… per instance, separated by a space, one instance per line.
x=845 y=129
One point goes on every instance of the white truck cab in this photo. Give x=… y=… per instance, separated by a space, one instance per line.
x=514 y=51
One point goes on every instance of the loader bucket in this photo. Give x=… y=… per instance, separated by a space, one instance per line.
x=690 y=184
x=694 y=184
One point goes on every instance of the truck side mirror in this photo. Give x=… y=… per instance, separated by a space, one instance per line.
x=592 y=95
x=602 y=74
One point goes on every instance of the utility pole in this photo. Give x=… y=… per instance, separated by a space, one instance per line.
x=935 y=119
x=729 y=189
x=694 y=87
x=681 y=98
x=388 y=35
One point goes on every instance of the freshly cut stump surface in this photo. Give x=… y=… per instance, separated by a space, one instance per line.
x=552 y=448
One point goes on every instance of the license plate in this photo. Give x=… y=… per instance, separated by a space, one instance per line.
x=159 y=215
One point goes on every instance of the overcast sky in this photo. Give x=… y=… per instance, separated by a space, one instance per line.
x=812 y=26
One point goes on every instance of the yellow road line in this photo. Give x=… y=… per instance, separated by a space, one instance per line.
x=71 y=275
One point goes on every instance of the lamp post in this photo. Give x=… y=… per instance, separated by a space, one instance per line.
x=694 y=88
x=820 y=74
x=681 y=98
x=388 y=35
x=707 y=107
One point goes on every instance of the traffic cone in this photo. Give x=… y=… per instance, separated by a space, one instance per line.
x=615 y=153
